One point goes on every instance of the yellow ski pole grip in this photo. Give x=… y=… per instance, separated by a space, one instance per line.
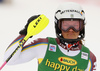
x=36 y=26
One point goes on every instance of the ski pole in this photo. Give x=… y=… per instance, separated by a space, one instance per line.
x=34 y=27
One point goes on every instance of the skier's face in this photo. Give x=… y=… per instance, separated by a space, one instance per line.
x=71 y=27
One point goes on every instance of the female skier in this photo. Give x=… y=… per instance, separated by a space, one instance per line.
x=64 y=53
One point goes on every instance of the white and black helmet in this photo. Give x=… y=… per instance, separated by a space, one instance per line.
x=69 y=10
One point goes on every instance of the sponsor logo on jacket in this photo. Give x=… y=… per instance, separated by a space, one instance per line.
x=67 y=61
x=61 y=67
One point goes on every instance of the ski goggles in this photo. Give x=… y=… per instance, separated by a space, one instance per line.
x=75 y=24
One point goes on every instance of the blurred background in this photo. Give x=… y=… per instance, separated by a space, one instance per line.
x=14 y=15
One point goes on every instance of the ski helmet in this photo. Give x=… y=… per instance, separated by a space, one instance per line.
x=69 y=10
